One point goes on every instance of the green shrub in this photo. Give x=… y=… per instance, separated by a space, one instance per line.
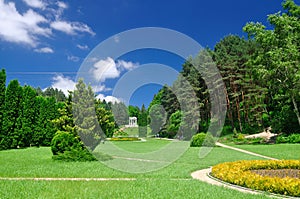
x=293 y=138
x=227 y=130
x=202 y=139
x=65 y=146
x=120 y=133
x=80 y=155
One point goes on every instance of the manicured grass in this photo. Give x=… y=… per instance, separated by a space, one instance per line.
x=143 y=188
x=279 y=151
x=134 y=131
x=173 y=181
x=142 y=146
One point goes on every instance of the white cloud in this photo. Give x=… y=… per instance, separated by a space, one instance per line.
x=71 y=28
x=35 y=3
x=62 y=5
x=127 y=65
x=109 y=69
x=21 y=28
x=105 y=69
x=99 y=88
x=29 y=27
x=73 y=58
x=44 y=50
x=108 y=98
x=82 y=47
x=63 y=83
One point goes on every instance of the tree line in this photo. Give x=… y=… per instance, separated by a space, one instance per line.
x=261 y=75
x=26 y=114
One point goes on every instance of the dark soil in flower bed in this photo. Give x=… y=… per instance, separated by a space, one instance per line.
x=281 y=173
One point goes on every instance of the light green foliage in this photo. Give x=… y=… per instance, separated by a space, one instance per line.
x=277 y=60
x=202 y=139
x=174 y=123
x=85 y=119
x=68 y=147
x=65 y=121
x=133 y=111
x=105 y=119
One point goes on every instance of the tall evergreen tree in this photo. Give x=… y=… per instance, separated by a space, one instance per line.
x=12 y=112
x=120 y=112
x=2 y=98
x=27 y=118
x=105 y=119
x=143 y=122
x=85 y=117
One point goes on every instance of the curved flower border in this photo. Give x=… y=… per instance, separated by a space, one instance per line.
x=239 y=173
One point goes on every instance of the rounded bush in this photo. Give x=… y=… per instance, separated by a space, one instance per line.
x=65 y=146
x=202 y=139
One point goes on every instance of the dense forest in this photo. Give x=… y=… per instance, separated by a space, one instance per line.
x=261 y=76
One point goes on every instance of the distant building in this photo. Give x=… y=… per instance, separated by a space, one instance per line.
x=132 y=122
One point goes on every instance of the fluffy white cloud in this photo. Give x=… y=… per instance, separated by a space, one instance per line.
x=108 y=98
x=29 y=27
x=21 y=28
x=105 y=69
x=62 y=5
x=35 y=3
x=82 y=47
x=63 y=83
x=71 y=28
x=127 y=65
x=73 y=58
x=44 y=50
x=109 y=69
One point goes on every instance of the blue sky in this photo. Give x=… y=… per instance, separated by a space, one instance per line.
x=43 y=42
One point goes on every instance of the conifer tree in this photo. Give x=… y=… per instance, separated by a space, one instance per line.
x=12 y=111
x=2 y=99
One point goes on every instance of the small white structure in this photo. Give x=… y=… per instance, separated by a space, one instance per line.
x=132 y=122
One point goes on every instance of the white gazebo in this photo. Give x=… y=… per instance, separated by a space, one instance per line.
x=132 y=122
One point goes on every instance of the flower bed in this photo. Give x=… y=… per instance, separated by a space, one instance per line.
x=124 y=139
x=244 y=173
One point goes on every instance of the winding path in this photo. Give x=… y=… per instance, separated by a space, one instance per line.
x=203 y=175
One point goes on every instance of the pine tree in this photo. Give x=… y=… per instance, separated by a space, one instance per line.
x=27 y=118
x=2 y=100
x=143 y=122
x=12 y=111
x=85 y=118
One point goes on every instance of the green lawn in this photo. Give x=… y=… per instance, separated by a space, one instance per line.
x=173 y=181
x=279 y=151
x=134 y=131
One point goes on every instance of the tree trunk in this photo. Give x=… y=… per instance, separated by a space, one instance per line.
x=296 y=108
